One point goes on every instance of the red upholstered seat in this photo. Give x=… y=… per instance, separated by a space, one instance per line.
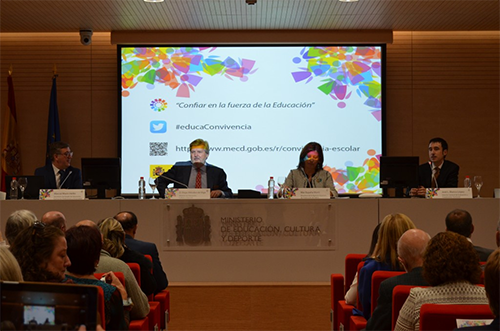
x=443 y=317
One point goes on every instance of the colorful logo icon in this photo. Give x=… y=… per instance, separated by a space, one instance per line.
x=158 y=105
x=158 y=126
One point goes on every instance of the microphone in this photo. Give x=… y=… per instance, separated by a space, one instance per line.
x=64 y=181
x=172 y=180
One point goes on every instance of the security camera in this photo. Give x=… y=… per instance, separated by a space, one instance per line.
x=86 y=37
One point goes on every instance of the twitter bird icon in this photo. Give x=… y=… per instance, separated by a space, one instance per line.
x=158 y=126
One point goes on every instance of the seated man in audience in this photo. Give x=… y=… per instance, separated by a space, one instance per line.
x=129 y=222
x=411 y=248
x=460 y=221
x=107 y=263
x=17 y=222
x=59 y=173
x=55 y=218
x=492 y=287
x=438 y=172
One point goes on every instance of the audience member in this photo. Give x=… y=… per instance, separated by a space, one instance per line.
x=385 y=256
x=492 y=287
x=59 y=173
x=460 y=221
x=41 y=253
x=113 y=243
x=9 y=267
x=411 y=248
x=16 y=222
x=438 y=172
x=129 y=223
x=55 y=218
x=451 y=267
x=140 y=309
x=84 y=249
x=351 y=297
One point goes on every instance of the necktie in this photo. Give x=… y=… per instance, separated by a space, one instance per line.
x=61 y=176
x=198 y=178
x=435 y=177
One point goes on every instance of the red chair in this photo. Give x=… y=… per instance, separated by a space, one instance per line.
x=444 y=316
x=359 y=322
x=101 y=309
x=142 y=324
x=163 y=297
x=399 y=296
x=151 y=296
x=344 y=310
x=154 y=314
x=351 y=266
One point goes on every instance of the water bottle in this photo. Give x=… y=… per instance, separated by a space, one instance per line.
x=467 y=182
x=270 y=188
x=14 y=189
x=142 y=188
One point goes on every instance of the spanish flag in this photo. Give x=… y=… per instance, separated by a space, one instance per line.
x=11 y=156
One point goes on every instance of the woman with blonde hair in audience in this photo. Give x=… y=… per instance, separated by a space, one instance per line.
x=384 y=257
x=451 y=267
x=114 y=243
x=41 y=253
x=9 y=267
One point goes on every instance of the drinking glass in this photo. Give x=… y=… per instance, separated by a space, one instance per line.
x=478 y=182
x=152 y=184
x=23 y=183
x=281 y=182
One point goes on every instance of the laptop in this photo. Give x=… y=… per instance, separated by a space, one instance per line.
x=32 y=191
x=47 y=306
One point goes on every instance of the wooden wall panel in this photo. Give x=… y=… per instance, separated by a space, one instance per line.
x=438 y=84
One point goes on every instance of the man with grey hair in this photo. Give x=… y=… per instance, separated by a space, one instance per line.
x=17 y=222
x=411 y=248
x=460 y=221
x=55 y=218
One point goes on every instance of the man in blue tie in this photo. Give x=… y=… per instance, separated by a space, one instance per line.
x=59 y=173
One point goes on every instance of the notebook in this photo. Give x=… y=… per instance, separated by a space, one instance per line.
x=47 y=306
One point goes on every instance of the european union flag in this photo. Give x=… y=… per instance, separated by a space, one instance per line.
x=53 y=130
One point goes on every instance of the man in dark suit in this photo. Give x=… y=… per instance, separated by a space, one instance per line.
x=196 y=173
x=411 y=248
x=129 y=222
x=438 y=172
x=59 y=173
x=460 y=221
x=492 y=287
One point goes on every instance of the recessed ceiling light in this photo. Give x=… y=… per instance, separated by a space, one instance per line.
x=154 y=0
x=348 y=0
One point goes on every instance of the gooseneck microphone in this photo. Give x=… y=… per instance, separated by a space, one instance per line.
x=174 y=181
x=64 y=181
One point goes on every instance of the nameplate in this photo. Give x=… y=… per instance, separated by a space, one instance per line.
x=62 y=194
x=311 y=193
x=449 y=193
x=187 y=193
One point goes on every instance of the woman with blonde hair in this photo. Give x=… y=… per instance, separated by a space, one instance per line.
x=114 y=243
x=9 y=267
x=384 y=257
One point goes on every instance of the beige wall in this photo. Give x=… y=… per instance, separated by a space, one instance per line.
x=438 y=84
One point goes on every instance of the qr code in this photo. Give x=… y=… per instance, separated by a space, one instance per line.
x=158 y=149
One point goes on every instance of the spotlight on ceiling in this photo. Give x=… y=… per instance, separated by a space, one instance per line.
x=251 y=2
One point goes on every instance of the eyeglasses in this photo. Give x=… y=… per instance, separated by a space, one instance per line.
x=67 y=154
x=38 y=228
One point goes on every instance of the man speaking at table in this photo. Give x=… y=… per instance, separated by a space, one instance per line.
x=438 y=172
x=59 y=173
x=196 y=173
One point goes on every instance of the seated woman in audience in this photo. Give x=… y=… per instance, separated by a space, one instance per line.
x=41 y=253
x=385 y=256
x=18 y=221
x=451 y=267
x=114 y=243
x=351 y=297
x=9 y=268
x=310 y=172
x=84 y=249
